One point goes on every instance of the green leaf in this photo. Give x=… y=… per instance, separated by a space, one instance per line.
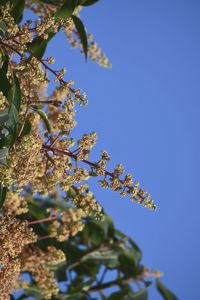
x=136 y=249
x=141 y=295
x=44 y=117
x=33 y=291
x=4 y=83
x=12 y=124
x=17 y=9
x=15 y=93
x=3 y=156
x=38 y=45
x=66 y=9
x=80 y=2
x=4 y=116
x=82 y=34
x=107 y=257
x=71 y=193
x=74 y=296
x=5 y=64
x=127 y=263
x=3 y=2
x=36 y=211
x=13 y=121
x=3 y=28
x=27 y=128
x=3 y=192
x=89 y=2
x=118 y=295
x=94 y=232
x=127 y=294
x=166 y=294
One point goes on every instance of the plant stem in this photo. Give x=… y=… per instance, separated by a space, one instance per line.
x=109 y=284
x=49 y=219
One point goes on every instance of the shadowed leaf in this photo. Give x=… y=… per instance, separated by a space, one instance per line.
x=166 y=294
x=82 y=34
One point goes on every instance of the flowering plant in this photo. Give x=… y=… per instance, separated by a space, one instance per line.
x=51 y=226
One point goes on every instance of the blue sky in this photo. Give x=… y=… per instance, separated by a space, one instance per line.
x=146 y=113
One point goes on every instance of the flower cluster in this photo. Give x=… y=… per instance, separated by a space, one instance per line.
x=9 y=276
x=14 y=236
x=70 y=224
x=3 y=101
x=38 y=263
x=25 y=162
x=83 y=198
x=15 y=204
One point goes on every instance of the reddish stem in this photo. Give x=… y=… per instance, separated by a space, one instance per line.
x=49 y=219
x=44 y=237
x=75 y=157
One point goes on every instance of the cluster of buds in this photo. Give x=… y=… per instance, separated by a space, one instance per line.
x=38 y=263
x=45 y=23
x=95 y=53
x=15 y=204
x=14 y=236
x=60 y=74
x=12 y=28
x=3 y=101
x=9 y=278
x=85 y=144
x=83 y=198
x=69 y=224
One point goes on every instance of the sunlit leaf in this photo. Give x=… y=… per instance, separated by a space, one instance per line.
x=44 y=117
x=33 y=291
x=141 y=295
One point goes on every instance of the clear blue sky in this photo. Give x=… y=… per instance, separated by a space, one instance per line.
x=146 y=113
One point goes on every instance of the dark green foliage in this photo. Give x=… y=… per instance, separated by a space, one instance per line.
x=3 y=28
x=15 y=93
x=82 y=34
x=4 y=83
x=3 y=192
x=66 y=9
x=39 y=45
x=88 y=2
x=27 y=128
x=97 y=250
x=9 y=117
x=17 y=9
x=166 y=294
